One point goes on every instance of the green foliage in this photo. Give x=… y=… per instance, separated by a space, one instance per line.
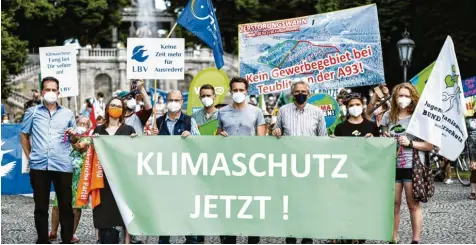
x=14 y=52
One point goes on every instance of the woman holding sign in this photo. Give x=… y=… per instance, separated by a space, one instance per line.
x=106 y=215
x=410 y=150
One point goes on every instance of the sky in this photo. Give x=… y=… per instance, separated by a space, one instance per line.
x=160 y=4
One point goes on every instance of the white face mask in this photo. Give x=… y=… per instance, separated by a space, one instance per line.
x=6 y=121
x=101 y=99
x=239 y=97
x=131 y=104
x=50 y=97
x=81 y=130
x=173 y=106
x=207 y=101
x=355 y=111
x=404 y=102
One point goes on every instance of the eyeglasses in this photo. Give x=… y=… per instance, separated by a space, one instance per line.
x=115 y=106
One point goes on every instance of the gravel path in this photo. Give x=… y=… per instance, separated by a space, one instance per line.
x=448 y=218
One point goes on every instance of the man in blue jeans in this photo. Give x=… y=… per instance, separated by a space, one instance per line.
x=43 y=140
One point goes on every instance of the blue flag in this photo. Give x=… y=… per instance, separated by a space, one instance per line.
x=199 y=18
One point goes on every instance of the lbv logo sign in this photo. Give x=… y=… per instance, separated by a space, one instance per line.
x=155 y=58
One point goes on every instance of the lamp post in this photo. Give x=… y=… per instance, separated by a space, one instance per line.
x=405 y=51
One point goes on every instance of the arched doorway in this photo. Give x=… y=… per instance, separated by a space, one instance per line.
x=103 y=83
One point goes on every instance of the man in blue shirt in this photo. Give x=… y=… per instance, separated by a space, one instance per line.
x=43 y=140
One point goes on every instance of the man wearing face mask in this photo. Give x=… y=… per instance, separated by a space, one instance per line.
x=240 y=119
x=138 y=119
x=176 y=123
x=300 y=118
x=42 y=138
x=208 y=112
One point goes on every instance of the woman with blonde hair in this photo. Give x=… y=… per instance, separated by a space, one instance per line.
x=78 y=155
x=395 y=122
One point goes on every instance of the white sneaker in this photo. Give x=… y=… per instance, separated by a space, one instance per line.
x=448 y=181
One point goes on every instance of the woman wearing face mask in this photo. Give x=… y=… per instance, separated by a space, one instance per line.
x=106 y=215
x=356 y=124
x=395 y=122
x=78 y=155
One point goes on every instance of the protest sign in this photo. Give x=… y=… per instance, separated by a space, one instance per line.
x=469 y=87
x=419 y=81
x=209 y=128
x=60 y=62
x=329 y=106
x=217 y=78
x=259 y=186
x=155 y=58
x=331 y=50
x=439 y=115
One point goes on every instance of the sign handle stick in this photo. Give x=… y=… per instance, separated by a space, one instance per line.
x=173 y=28
x=76 y=105
x=155 y=102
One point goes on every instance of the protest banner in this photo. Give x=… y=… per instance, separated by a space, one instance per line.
x=419 y=81
x=329 y=106
x=331 y=50
x=60 y=62
x=155 y=58
x=260 y=186
x=217 y=78
x=469 y=87
x=13 y=158
x=439 y=115
x=209 y=128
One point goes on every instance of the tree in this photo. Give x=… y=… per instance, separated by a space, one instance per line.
x=50 y=22
x=14 y=52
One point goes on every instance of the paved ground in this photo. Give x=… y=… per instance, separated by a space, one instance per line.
x=448 y=218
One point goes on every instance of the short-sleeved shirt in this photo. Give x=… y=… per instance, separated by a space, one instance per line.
x=242 y=122
x=347 y=128
x=201 y=116
x=138 y=120
x=404 y=154
x=50 y=150
x=296 y=122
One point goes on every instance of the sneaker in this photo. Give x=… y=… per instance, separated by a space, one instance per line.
x=415 y=242
x=75 y=239
x=472 y=196
x=52 y=237
x=448 y=181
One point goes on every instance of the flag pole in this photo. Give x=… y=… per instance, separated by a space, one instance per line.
x=172 y=30
x=154 y=125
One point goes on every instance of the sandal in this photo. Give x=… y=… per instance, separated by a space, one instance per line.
x=472 y=196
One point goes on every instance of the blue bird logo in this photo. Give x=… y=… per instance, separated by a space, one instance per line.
x=138 y=54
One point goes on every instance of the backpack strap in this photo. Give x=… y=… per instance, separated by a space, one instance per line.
x=160 y=122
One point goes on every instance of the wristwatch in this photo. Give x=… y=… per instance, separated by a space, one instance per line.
x=411 y=144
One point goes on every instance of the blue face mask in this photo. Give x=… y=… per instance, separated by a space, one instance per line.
x=300 y=98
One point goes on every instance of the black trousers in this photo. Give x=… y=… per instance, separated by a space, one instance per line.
x=232 y=239
x=41 y=183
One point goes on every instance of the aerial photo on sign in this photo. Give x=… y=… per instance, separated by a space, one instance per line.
x=331 y=50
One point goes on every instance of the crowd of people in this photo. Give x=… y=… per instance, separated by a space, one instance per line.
x=46 y=123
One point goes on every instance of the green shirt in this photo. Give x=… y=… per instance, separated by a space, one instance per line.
x=201 y=116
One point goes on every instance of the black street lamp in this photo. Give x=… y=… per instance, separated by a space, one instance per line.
x=405 y=50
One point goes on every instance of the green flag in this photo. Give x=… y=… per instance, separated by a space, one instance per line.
x=314 y=187
x=217 y=78
x=209 y=128
x=419 y=81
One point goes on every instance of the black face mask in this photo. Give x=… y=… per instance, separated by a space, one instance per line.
x=300 y=98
